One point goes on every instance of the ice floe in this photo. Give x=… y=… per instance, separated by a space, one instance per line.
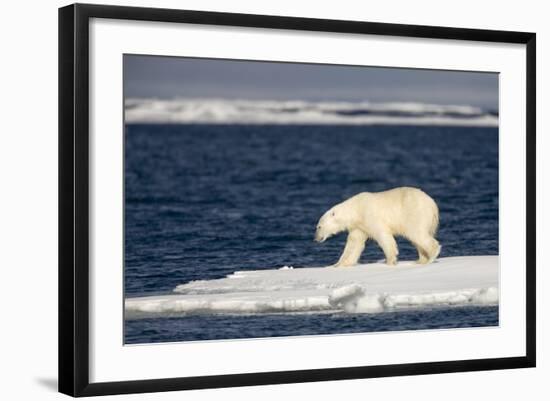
x=366 y=288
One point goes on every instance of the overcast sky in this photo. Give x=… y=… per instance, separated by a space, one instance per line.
x=169 y=77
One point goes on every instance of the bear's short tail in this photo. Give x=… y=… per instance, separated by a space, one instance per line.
x=435 y=219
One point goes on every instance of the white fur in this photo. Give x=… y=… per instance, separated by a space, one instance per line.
x=403 y=211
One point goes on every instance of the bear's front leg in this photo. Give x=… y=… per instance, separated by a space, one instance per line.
x=389 y=246
x=353 y=249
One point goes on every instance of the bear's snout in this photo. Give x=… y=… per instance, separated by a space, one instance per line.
x=318 y=236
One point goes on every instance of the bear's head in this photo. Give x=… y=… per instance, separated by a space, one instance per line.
x=332 y=222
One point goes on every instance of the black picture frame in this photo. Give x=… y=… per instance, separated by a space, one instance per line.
x=74 y=198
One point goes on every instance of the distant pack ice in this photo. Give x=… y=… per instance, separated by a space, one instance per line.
x=234 y=111
x=368 y=288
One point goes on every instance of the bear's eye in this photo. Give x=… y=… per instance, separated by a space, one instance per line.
x=332 y=214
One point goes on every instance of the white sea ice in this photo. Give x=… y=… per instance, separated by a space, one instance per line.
x=241 y=111
x=367 y=288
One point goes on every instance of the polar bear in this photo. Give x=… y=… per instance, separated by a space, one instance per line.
x=403 y=211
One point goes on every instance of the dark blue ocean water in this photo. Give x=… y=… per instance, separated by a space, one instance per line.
x=203 y=201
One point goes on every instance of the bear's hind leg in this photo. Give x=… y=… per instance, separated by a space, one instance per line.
x=353 y=249
x=435 y=250
x=428 y=249
x=389 y=246
x=422 y=256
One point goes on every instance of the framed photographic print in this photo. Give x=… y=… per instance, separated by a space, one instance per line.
x=249 y=199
